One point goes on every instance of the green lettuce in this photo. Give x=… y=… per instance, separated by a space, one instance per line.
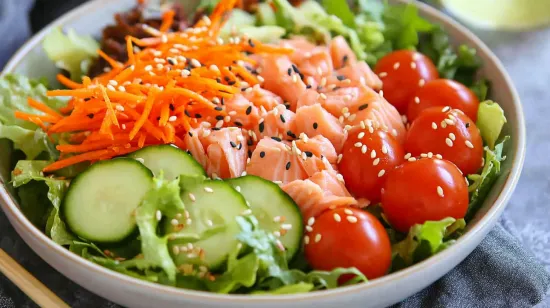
x=425 y=240
x=490 y=121
x=40 y=198
x=71 y=52
x=481 y=184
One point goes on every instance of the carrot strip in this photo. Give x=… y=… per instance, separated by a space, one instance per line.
x=144 y=115
x=112 y=62
x=111 y=111
x=67 y=82
x=167 y=21
x=27 y=116
x=130 y=50
x=60 y=164
x=44 y=108
x=82 y=93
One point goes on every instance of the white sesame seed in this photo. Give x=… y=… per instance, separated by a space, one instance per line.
x=119 y=108
x=443 y=124
x=381 y=173
x=358 y=144
x=174 y=222
x=434 y=126
x=122 y=89
x=348 y=211
x=185 y=73
x=306 y=239
x=449 y=142
x=340 y=177
x=319 y=70
x=452 y=136
x=286 y=226
x=247 y=212
x=195 y=63
x=445 y=109
x=309 y=228
x=209 y=223
x=317 y=238
x=430 y=154
x=413 y=65
x=384 y=149
x=421 y=82
x=208 y=190
x=172 y=119
x=163 y=38
x=243 y=174
x=206 y=133
x=469 y=144
x=412 y=159
x=351 y=219
x=408 y=155
x=373 y=154
x=382 y=74
x=123 y=126
x=371 y=129
x=110 y=87
x=337 y=217
x=449 y=122
x=114 y=83
x=396 y=65
x=376 y=161
x=323 y=81
x=311 y=221
x=339 y=159
x=417 y=100
x=362 y=124
x=158 y=215
x=148 y=68
x=160 y=66
x=277 y=233
x=176 y=249
x=364 y=149
x=423 y=155
x=440 y=191
x=323 y=96
x=361 y=135
x=438 y=156
x=219 y=124
x=404 y=118
x=381 y=93
x=394 y=132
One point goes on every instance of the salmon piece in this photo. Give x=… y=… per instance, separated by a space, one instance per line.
x=340 y=52
x=321 y=192
x=350 y=97
x=301 y=47
x=314 y=120
x=318 y=146
x=359 y=74
x=313 y=62
x=242 y=112
x=263 y=98
x=222 y=153
x=274 y=161
x=279 y=122
x=275 y=71
x=308 y=98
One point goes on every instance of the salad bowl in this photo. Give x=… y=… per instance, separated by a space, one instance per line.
x=89 y=18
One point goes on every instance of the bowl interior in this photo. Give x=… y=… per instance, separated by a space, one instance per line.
x=32 y=61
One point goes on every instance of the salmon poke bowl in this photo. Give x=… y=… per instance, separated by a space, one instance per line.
x=257 y=150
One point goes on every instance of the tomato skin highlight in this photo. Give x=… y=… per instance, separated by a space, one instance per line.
x=364 y=173
x=422 y=190
x=443 y=92
x=401 y=78
x=358 y=240
x=459 y=142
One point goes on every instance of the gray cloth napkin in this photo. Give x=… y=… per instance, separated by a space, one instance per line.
x=499 y=273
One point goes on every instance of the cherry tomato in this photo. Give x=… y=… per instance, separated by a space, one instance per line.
x=444 y=92
x=450 y=133
x=367 y=156
x=424 y=189
x=348 y=237
x=402 y=73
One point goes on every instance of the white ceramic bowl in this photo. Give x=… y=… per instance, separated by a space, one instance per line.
x=30 y=60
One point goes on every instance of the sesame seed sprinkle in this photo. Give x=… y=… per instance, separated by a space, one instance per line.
x=438 y=156
x=174 y=222
x=351 y=219
x=384 y=149
x=452 y=136
x=192 y=197
x=110 y=87
x=158 y=215
x=339 y=159
x=373 y=154
x=381 y=173
x=417 y=100
x=306 y=239
x=318 y=238
x=309 y=228
x=348 y=211
x=364 y=149
x=421 y=82
x=434 y=126
x=396 y=65
x=408 y=155
x=440 y=191
x=469 y=144
x=311 y=221
x=172 y=119
x=382 y=74
x=286 y=226
x=449 y=122
x=413 y=65
x=411 y=159
x=208 y=190
x=449 y=142
x=445 y=109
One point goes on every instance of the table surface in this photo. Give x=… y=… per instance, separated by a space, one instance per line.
x=525 y=56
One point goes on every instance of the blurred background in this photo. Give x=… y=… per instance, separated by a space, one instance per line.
x=516 y=30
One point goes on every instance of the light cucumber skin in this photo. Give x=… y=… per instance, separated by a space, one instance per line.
x=93 y=235
x=251 y=188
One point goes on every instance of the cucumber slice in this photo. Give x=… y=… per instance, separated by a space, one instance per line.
x=212 y=206
x=173 y=161
x=100 y=202
x=274 y=209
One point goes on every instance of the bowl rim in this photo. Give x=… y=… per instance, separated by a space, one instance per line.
x=9 y=205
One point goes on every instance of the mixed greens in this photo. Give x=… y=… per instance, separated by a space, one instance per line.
x=257 y=266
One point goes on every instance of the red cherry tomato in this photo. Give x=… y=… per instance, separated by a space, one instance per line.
x=402 y=73
x=424 y=189
x=443 y=92
x=450 y=133
x=367 y=156
x=348 y=237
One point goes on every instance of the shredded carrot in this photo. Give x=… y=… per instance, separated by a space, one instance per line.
x=67 y=82
x=60 y=164
x=112 y=62
x=144 y=115
x=167 y=20
x=44 y=108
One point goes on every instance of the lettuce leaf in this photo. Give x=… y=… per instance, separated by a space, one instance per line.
x=490 y=121
x=31 y=142
x=40 y=195
x=340 y=9
x=481 y=184
x=71 y=52
x=163 y=197
x=425 y=240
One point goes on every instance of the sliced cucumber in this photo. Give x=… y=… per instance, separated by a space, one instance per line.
x=170 y=159
x=274 y=209
x=212 y=206
x=100 y=202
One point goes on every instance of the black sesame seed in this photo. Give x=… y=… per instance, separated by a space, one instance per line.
x=467 y=125
x=262 y=126
x=172 y=108
x=276 y=139
x=91 y=115
x=233 y=144
x=345 y=59
x=319 y=88
x=308 y=86
x=287 y=166
x=308 y=154
x=190 y=134
x=248 y=110
x=238 y=124
x=289 y=71
x=171 y=61
x=282 y=118
x=158 y=118
x=240 y=146
x=87 y=99
x=198 y=116
x=262 y=154
x=249 y=142
x=216 y=128
x=251 y=43
x=287 y=105
x=218 y=80
x=226 y=78
x=336 y=89
x=301 y=76
x=249 y=153
x=295 y=69
x=315 y=125
x=243 y=89
x=231 y=68
x=340 y=77
x=231 y=82
x=222 y=101
x=219 y=117
x=218 y=108
x=187 y=113
x=364 y=106
x=188 y=152
x=291 y=134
